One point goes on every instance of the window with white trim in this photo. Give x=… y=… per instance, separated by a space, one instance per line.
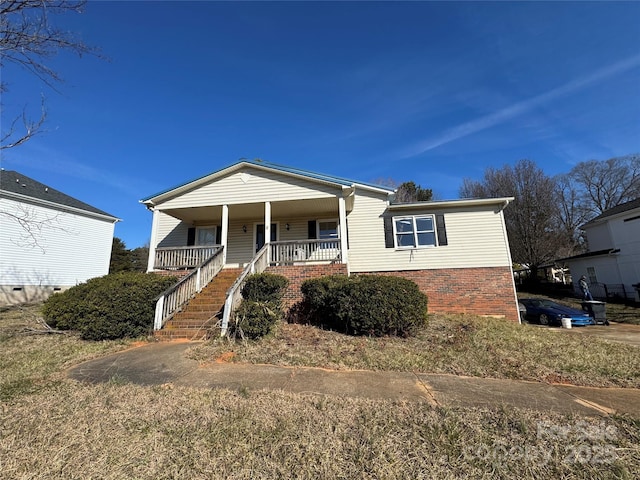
x=206 y=235
x=414 y=231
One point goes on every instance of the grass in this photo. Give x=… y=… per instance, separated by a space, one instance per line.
x=62 y=429
x=28 y=362
x=460 y=345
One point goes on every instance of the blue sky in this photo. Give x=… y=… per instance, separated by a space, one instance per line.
x=430 y=92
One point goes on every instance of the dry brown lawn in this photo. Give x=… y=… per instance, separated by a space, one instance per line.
x=55 y=428
x=454 y=344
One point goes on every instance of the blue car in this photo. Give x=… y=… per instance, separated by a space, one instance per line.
x=546 y=312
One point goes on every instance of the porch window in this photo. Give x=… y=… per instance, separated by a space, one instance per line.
x=591 y=273
x=414 y=231
x=205 y=236
x=328 y=229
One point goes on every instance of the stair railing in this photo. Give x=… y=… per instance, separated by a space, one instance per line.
x=258 y=264
x=173 y=298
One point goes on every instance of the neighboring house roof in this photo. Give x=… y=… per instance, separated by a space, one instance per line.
x=313 y=176
x=597 y=253
x=16 y=185
x=618 y=209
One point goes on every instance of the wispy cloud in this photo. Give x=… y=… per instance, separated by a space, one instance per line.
x=43 y=158
x=519 y=108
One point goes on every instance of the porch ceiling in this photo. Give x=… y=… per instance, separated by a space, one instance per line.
x=249 y=211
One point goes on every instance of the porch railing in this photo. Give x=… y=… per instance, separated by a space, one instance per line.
x=170 y=301
x=305 y=251
x=258 y=264
x=183 y=257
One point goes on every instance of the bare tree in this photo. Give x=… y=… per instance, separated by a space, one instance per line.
x=602 y=185
x=572 y=213
x=28 y=39
x=531 y=219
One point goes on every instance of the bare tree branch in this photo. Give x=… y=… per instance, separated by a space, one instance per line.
x=32 y=225
x=28 y=39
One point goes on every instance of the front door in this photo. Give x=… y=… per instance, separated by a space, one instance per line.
x=260 y=235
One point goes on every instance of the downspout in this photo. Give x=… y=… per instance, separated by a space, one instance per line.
x=506 y=242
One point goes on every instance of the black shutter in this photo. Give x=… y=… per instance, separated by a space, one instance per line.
x=311 y=228
x=346 y=223
x=442 y=230
x=219 y=234
x=388 y=232
x=191 y=237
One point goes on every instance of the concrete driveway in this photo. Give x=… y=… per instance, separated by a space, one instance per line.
x=615 y=332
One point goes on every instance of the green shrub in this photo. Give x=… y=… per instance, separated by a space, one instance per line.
x=265 y=287
x=322 y=296
x=379 y=305
x=366 y=305
x=114 y=306
x=254 y=320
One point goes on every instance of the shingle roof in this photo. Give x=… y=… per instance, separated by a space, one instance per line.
x=623 y=207
x=15 y=182
x=282 y=168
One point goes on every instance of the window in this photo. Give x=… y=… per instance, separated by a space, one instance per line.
x=414 y=231
x=205 y=236
x=591 y=273
x=327 y=229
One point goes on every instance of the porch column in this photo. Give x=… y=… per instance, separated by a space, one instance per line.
x=224 y=234
x=152 y=242
x=267 y=228
x=342 y=211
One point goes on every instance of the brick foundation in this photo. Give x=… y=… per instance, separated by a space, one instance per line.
x=298 y=274
x=476 y=291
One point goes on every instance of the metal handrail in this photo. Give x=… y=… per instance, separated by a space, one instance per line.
x=258 y=264
x=174 y=297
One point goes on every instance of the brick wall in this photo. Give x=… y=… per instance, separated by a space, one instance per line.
x=298 y=274
x=477 y=291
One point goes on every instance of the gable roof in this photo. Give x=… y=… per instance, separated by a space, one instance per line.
x=18 y=185
x=261 y=165
x=618 y=209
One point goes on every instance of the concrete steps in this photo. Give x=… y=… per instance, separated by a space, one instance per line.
x=196 y=318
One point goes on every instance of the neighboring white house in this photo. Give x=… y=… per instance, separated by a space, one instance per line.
x=612 y=264
x=49 y=241
x=314 y=224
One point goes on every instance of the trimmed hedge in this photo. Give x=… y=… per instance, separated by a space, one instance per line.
x=366 y=305
x=254 y=320
x=114 y=306
x=265 y=287
x=322 y=296
x=261 y=307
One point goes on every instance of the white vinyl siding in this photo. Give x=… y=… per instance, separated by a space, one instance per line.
x=72 y=249
x=475 y=239
x=171 y=231
x=251 y=186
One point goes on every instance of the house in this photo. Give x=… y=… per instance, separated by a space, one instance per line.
x=49 y=241
x=257 y=216
x=612 y=263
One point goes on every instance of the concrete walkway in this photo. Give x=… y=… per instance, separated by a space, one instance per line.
x=166 y=363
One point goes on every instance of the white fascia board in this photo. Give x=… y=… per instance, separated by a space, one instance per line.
x=58 y=206
x=153 y=201
x=467 y=202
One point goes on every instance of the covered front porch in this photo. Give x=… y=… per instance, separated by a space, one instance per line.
x=296 y=233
